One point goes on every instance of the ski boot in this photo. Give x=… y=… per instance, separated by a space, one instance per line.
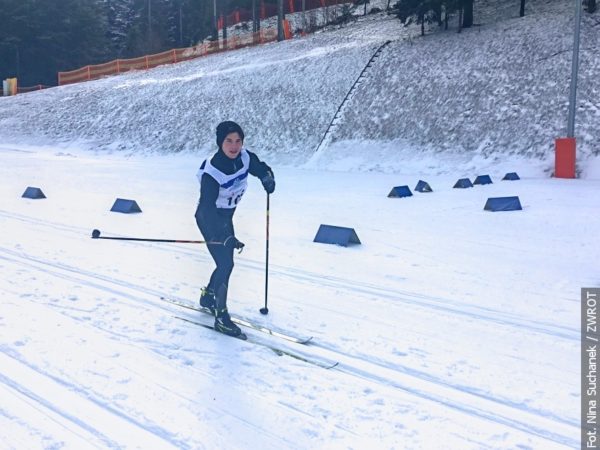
x=223 y=324
x=208 y=299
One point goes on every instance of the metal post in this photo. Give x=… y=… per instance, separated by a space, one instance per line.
x=215 y=24
x=280 y=20
x=304 y=15
x=574 y=72
x=181 y=23
x=150 y=48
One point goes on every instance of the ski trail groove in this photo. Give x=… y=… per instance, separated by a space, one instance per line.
x=351 y=286
x=149 y=345
x=63 y=401
x=415 y=383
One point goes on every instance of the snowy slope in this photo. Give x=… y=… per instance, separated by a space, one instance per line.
x=450 y=324
x=498 y=89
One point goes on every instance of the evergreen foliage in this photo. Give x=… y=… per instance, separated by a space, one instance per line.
x=39 y=38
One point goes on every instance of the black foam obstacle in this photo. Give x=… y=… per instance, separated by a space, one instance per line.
x=331 y=234
x=503 y=204
x=125 y=206
x=33 y=192
x=422 y=186
x=463 y=183
x=511 y=176
x=483 y=179
x=400 y=191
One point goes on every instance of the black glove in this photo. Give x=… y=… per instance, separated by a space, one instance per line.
x=268 y=182
x=232 y=241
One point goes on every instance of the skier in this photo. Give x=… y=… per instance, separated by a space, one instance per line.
x=223 y=181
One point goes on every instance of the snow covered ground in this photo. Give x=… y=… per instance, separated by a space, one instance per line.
x=453 y=327
x=500 y=88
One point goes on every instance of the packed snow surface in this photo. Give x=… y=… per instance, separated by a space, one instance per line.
x=450 y=324
x=447 y=327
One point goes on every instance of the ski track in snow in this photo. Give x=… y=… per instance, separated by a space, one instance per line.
x=462 y=398
x=437 y=304
x=83 y=413
x=470 y=341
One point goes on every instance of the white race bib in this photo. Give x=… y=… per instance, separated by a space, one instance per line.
x=231 y=187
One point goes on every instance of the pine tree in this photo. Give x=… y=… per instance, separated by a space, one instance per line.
x=119 y=16
x=15 y=38
x=50 y=36
x=420 y=11
x=591 y=6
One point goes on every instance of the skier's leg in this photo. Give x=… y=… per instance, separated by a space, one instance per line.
x=220 y=276
x=223 y=256
x=220 y=255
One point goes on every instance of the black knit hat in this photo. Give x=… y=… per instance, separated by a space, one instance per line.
x=224 y=128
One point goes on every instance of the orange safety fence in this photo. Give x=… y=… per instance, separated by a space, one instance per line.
x=170 y=56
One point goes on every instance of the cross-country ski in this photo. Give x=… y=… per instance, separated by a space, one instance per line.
x=243 y=322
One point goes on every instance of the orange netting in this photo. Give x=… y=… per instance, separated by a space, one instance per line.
x=170 y=57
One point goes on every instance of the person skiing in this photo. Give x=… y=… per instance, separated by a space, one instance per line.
x=223 y=181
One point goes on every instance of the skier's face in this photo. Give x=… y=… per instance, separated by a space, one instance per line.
x=232 y=145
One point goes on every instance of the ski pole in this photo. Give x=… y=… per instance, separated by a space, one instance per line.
x=96 y=235
x=265 y=310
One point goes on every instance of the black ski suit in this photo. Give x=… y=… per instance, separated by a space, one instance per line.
x=216 y=224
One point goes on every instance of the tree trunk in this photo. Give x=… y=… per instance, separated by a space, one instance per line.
x=468 y=14
x=215 y=25
x=258 y=12
x=304 y=24
x=591 y=6
x=437 y=8
x=522 y=10
x=446 y=20
x=224 y=16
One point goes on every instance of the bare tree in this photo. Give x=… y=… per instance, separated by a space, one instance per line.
x=467 y=13
x=522 y=10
